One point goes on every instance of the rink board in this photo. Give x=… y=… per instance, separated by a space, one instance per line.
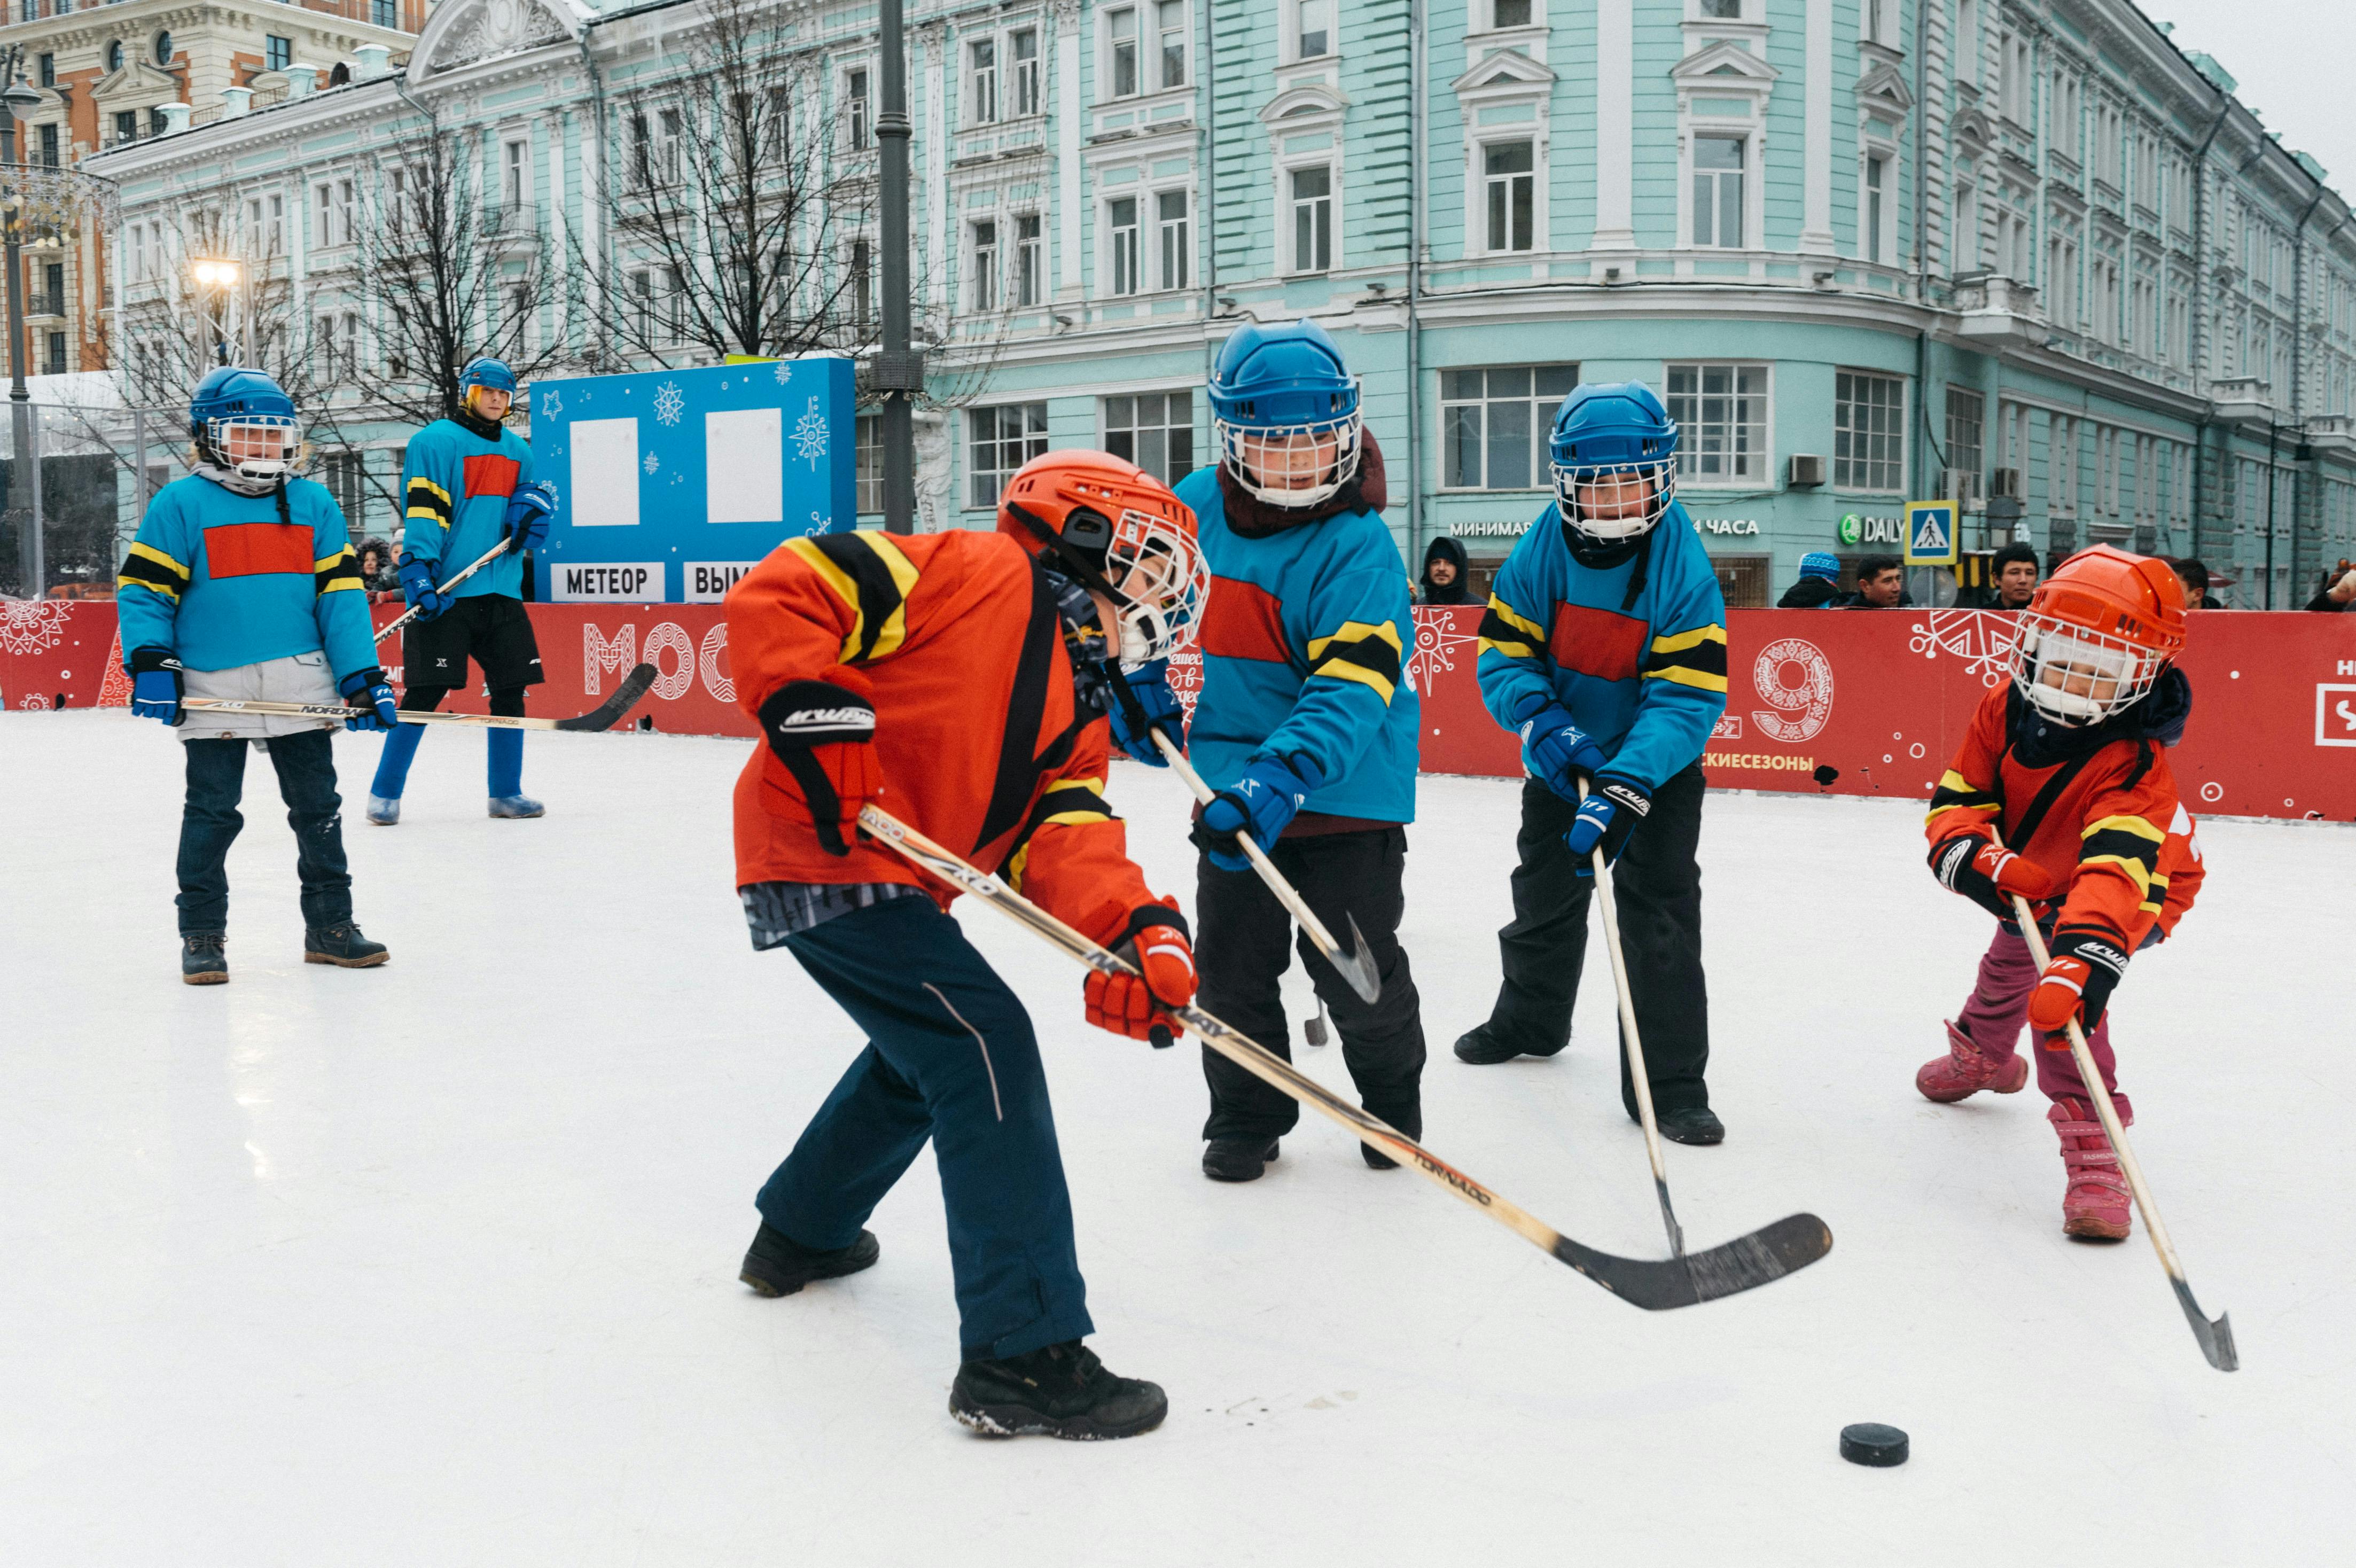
x=1828 y=702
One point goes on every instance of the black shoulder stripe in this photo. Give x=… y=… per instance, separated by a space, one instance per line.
x=1018 y=766
x=878 y=595
x=1706 y=657
x=1369 y=653
x=2122 y=844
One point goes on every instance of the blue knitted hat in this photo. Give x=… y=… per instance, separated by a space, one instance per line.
x=1820 y=563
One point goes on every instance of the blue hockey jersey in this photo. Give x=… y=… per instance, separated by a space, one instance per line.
x=1636 y=652
x=225 y=580
x=455 y=485
x=1305 y=636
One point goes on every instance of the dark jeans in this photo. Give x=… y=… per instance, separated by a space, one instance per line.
x=950 y=1057
x=307 y=782
x=1659 y=901
x=1244 y=947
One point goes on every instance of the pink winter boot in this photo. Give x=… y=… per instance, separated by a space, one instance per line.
x=1966 y=1069
x=2096 y=1205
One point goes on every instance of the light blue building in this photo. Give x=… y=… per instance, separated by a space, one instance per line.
x=1866 y=250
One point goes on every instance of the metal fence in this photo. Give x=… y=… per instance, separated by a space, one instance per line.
x=73 y=503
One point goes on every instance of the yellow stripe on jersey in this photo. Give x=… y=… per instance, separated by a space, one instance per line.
x=1361 y=651
x=148 y=567
x=428 y=502
x=1957 y=793
x=338 y=573
x=873 y=577
x=1694 y=658
x=1508 y=632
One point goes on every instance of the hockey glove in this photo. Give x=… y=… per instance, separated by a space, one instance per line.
x=1127 y=1005
x=1557 y=752
x=1988 y=874
x=529 y=511
x=824 y=732
x=417 y=587
x=1260 y=803
x=372 y=700
x=1142 y=703
x=155 y=685
x=2080 y=971
x=1605 y=820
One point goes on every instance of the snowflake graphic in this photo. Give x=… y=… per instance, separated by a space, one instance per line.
x=652 y=462
x=809 y=435
x=551 y=404
x=31 y=626
x=1435 y=644
x=1984 y=638
x=819 y=524
x=784 y=373
x=669 y=404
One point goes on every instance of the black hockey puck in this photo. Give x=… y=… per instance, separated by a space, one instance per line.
x=1871 y=1442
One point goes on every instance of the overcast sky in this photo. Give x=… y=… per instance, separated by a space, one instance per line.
x=2291 y=58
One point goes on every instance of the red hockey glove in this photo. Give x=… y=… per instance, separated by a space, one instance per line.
x=2080 y=972
x=1125 y=1004
x=824 y=732
x=1988 y=874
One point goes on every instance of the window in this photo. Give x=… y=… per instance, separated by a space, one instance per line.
x=1879 y=25
x=1509 y=180
x=1722 y=410
x=999 y=441
x=855 y=121
x=1514 y=13
x=49 y=154
x=1966 y=415
x=869 y=445
x=126 y=124
x=333 y=204
x=1312 y=219
x=51 y=300
x=1170 y=27
x=1173 y=236
x=1877 y=206
x=1494 y=424
x=164 y=49
x=277 y=53
x=1315 y=35
x=863 y=284
x=1122 y=26
x=1964 y=250
x=983 y=287
x=1718 y=191
x=1030 y=260
x=114 y=50
x=384 y=12
x=981 y=81
x=343 y=474
x=1155 y=431
x=1121 y=222
x=1026 y=72
x=2061 y=466
x=1868 y=432
x=157 y=125
x=48 y=70
x=53 y=362
x=1721 y=10
x=1967 y=41
x=515 y=173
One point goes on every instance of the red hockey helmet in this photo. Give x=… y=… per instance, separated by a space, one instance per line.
x=2097 y=634
x=1114 y=528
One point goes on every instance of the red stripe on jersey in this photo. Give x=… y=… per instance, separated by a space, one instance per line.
x=491 y=475
x=1241 y=620
x=257 y=549
x=1598 y=642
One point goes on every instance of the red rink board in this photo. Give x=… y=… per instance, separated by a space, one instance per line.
x=1878 y=697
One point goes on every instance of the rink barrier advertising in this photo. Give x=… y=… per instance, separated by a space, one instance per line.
x=1819 y=702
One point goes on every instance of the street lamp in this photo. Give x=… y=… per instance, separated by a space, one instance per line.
x=15 y=99
x=221 y=276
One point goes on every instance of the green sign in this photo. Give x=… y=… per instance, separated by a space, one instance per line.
x=1852 y=529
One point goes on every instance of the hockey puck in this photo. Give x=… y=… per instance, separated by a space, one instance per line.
x=1871 y=1442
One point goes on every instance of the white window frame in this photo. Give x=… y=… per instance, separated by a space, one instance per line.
x=1287 y=258
x=1026 y=438
x=1107 y=69
x=1167 y=249
x=515 y=172
x=1184 y=32
x=1763 y=453
x=858 y=107
x=1105 y=431
x=980 y=81
x=1485 y=14
x=1898 y=436
x=985 y=282
x=1030 y=260
x=1876 y=233
x=1541 y=418
x=1290 y=40
x=1477 y=218
x=1026 y=76
x=1747 y=135
x=1119 y=266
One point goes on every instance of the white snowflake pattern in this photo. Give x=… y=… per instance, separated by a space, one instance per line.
x=784 y=373
x=550 y=405
x=652 y=462
x=31 y=626
x=809 y=435
x=819 y=524
x=1436 y=643
x=1982 y=637
x=669 y=404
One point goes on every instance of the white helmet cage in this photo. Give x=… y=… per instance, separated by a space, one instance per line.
x=1290 y=444
x=1160 y=579
x=1569 y=479
x=2077 y=676
x=218 y=432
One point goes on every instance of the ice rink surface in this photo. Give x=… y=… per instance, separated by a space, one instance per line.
x=436 y=1264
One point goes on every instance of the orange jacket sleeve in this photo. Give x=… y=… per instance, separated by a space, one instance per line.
x=1072 y=858
x=2121 y=841
x=816 y=603
x=1969 y=796
x=2177 y=883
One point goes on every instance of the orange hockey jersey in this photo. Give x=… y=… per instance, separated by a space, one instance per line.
x=979 y=732
x=2106 y=826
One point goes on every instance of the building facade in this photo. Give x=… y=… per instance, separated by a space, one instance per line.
x=2025 y=253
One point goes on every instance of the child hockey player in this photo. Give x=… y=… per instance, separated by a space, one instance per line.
x=466 y=483
x=2069 y=764
x=1306 y=728
x=957 y=679
x=242 y=584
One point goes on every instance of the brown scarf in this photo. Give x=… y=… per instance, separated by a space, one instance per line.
x=1255 y=519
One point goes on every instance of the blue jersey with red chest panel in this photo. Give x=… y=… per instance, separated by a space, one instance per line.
x=455 y=485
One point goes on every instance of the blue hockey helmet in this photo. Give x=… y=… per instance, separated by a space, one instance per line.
x=491 y=375
x=234 y=397
x=1614 y=434
x=1284 y=394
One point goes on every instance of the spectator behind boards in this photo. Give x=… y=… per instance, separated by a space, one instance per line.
x=2338 y=590
x=2194 y=575
x=1819 y=583
x=2012 y=577
x=1880 y=585
x=1443 y=574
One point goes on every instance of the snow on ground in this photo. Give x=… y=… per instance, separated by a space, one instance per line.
x=436 y=1264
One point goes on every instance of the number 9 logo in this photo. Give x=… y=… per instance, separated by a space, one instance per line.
x=1811 y=699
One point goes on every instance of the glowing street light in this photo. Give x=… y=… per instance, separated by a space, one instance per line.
x=222 y=275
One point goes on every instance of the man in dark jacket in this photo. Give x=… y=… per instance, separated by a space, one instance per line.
x=1819 y=585
x=1443 y=574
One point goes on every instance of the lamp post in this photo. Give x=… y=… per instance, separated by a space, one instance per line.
x=898 y=372
x=15 y=100
x=219 y=277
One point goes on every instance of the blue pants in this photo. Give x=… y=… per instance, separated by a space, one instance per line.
x=211 y=822
x=950 y=1057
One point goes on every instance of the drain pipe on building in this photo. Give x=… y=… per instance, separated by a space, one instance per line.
x=1922 y=251
x=1414 y=120
x=2200 y=317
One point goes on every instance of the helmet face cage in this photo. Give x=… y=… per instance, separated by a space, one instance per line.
x=1569 y=478
x=2075 y=675
x=1295 y=450
x=1162 y=580
x=271 y=429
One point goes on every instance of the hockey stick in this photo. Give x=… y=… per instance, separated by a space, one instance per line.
x=1630 y=1047
x=405 y=617
x=2216 y=1339
x=1356 y=968
x=604 y=716
x=1748 y=1262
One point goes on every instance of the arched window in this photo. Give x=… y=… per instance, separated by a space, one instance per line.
x=114 y=56
x=164 y=48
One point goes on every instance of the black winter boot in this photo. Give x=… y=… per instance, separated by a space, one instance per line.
x=1483 y=1046
x=204 y=960
x=1060 y=1392
x=1237 y=1159
x=778 y=1265
x=1409 y=1120
x=1691 y=1124
x=342 y=946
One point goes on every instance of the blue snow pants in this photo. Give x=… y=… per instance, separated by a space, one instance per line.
x=950 y=1057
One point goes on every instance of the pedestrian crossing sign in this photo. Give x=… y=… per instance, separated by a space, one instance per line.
x=1931 y=534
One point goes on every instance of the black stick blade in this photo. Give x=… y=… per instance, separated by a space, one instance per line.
x=2216 y=1339
x=1744 y=1264
x=608 y=713
x=1357 y=967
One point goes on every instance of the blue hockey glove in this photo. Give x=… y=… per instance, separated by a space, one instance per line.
x=417 y=587
x=1605 y=820
x=155 y=685
x=1557 y=752
x=1260 y=803
x=372 y=700
x=1145 y=706
x=529 y=511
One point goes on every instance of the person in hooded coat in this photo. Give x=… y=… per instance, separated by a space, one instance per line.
x=1443 y=574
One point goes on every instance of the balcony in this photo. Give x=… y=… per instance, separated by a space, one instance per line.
x=45 y=304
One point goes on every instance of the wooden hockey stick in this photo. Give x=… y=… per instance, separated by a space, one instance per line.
x=1630 y=1047
x=604 y=716
x=2216 y=1337
x=1356 y=968
x=405 y=617
x=1748 y=1262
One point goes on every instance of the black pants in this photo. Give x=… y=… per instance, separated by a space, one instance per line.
x=210 y=824
x=494 y=629
x=1242 y=950
x=1659 y=889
